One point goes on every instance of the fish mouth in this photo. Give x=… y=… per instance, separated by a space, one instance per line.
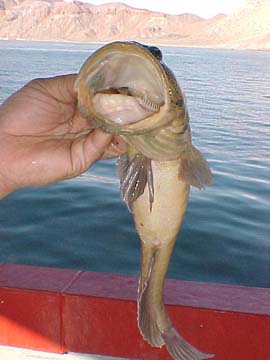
x=122 y=86
x=126 y=89
x=123 y=106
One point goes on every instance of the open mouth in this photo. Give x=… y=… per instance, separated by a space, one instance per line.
x=125 y=88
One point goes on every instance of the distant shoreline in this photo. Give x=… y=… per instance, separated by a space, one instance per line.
x=164 y=44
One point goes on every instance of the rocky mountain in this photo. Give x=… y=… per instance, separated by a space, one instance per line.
x=56 y=20
x=248 y=27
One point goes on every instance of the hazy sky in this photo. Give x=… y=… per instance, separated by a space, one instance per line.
x=204 y=8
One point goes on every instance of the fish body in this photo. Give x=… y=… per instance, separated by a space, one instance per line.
x=126 y=89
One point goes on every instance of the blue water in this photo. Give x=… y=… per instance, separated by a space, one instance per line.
x=82 y=223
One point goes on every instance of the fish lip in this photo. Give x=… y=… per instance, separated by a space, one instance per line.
x=85 y=103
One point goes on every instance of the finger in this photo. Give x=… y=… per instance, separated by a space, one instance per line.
x=120 y=143
x=116 y=148
x=95 y=146
x=78 y=123
x=64 y=88
x=59 y=87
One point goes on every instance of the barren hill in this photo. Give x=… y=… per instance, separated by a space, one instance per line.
x=249 y=27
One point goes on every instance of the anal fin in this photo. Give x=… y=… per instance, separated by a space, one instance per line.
x=146 y=316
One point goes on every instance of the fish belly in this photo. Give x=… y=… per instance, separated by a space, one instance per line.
x=159 y=225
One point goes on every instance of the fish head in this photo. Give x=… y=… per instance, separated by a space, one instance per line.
x=125 y=88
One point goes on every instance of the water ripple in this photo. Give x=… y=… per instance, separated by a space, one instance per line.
x=82 y=223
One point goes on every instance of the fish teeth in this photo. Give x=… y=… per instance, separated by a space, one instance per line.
x=148 y=104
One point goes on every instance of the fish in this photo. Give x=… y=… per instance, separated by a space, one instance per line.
x=126 y=89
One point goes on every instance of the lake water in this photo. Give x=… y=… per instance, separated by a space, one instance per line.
x=82 y=223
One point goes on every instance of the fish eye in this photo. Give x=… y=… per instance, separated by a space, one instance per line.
x=156 y=52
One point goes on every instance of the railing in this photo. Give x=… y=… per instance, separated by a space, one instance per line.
x=61 y=310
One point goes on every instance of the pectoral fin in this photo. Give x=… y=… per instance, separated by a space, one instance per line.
x=134 y=174
x=195 y=169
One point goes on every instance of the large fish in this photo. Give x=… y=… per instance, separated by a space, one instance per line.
x=125 y=88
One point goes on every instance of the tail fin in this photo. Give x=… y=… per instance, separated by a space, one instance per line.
x=180 y=349
x=176 y=345
x=195 y=169
x=153 y=320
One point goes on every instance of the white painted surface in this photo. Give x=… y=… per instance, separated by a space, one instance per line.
x=12 y=353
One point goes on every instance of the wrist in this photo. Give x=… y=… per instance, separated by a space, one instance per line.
x=4 y=192
x=4 y=188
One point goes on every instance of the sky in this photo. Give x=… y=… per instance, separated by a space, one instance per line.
x=203 y=8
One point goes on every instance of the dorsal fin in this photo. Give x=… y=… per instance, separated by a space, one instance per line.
x=195 y=169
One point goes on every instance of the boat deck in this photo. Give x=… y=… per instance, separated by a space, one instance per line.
x=11 y=353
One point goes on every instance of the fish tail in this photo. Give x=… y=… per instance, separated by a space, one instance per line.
x=195 y=169
x=153 y=320
x=180 y=349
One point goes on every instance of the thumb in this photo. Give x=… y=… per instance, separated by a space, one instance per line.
x=95 y=146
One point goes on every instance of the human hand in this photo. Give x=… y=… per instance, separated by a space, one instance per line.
x=44 y=138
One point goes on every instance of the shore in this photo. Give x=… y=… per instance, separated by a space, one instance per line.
x=146 y=41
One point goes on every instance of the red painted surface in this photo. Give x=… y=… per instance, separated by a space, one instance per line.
x=24 y=320
x=64 y=310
